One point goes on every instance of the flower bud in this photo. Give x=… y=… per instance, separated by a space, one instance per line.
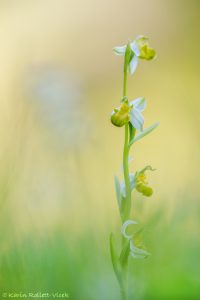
x=144 y=189
x=147 y=191
x=146 y=52
x=139 y=187
x=120 y=116
x=142 y=184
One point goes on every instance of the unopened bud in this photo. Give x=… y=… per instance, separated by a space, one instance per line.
x=120 y=116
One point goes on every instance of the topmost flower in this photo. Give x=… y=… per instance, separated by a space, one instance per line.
x=139 y=49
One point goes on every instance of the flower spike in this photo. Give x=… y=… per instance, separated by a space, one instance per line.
x=129 y=114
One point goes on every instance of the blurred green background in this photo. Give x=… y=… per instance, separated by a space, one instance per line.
x=59 y=81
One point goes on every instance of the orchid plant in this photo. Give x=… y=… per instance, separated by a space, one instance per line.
x=129 y=115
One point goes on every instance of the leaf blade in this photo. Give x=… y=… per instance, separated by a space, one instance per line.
x=118 y=192
x=114 y=257
x=143 y=133
x=125 y=254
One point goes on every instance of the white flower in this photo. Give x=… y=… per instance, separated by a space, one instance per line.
x=135 y=251
x=130 y=112
x=120 y=50
x=140 y=50
x=136 y=117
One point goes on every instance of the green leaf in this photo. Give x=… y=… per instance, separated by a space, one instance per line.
x=143 y=133
x=118 y=192
x=125 y=254
x=131 y=131
x=114 y=257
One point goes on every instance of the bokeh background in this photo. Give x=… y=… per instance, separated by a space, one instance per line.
x=59 y=81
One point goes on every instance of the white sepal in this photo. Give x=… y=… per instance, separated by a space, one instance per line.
x=124 y=227
x=139 y=103
x=120 y=50
x=135 y=48
x=133 y=64
x=136 y=119
x=138 y=252
x=123 y=186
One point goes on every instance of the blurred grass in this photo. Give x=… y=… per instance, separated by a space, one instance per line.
x=82 y=266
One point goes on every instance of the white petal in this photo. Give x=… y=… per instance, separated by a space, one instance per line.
x=120 y=50
x=135 y=48
x=139 y=103
x=137 y=256
x=138 y=252
x=123 y=189
x=123 y=186
x=133 y=64
x=136 y=119
x=124 y=226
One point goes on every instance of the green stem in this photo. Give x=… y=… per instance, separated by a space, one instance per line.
x=121 y=270
x=123 y=294
x=125 y=80
x=126 y=154
x=127 y=208
x=126 y=174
